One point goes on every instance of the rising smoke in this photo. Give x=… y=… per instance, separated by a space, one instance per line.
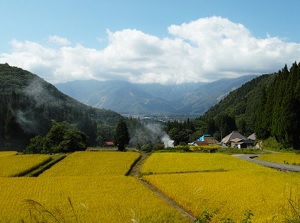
x=151 y=133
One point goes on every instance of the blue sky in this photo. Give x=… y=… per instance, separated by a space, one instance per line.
x=162 y=41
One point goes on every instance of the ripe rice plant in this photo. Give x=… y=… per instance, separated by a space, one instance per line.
x=8 y=153
x=93 y=164
x=243 y=186
x=288 y=158
x=193 y=162
x=17 y=165
x=82 y=199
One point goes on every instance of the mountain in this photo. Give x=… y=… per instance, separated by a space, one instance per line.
x=120 y=96
x=269 y=105
x=129 y=98
x=28 y=104
x=241 y=104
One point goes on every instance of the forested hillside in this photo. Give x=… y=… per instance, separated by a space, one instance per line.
x=238 y=110
x=268 y=105
x=28 y=104
x=279 y=109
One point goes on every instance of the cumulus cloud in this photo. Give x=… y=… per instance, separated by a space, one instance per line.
x=203 y=50
x=59 y=40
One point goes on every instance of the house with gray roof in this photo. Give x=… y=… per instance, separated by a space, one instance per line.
x=237 y=140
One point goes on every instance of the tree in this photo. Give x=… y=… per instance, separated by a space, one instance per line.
x=35 y=145
x=121 y=138
x=226 y=124
x=63 y=137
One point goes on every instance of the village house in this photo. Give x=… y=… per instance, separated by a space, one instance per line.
x=205 y=140
x=237 y=140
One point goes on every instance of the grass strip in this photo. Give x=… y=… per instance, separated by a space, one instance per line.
x=40 y=169
x=25 y=172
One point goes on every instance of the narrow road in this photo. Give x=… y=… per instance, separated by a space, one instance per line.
x=278 y=166
x=135 y=171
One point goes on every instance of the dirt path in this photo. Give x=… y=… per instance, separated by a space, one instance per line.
x=277 y=166
x=172 y=203
x=136 y=168
x=135 y=171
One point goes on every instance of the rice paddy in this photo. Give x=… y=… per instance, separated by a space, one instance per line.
x=93 y=187
x=16 y=165
x=288 y=158
x=93 y=164
x=242 y=186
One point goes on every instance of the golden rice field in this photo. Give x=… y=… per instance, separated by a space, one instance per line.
x=15 y=165
x=290 y=158
x=82 y=199
x=8 y=153
x=92 y=187
x=93 y=164
x=243 y=186
x=192 y=162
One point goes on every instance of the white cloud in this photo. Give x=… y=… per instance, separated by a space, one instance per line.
x=59 y=40
x=203 y=50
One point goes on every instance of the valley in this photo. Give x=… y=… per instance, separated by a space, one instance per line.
x=178 y=101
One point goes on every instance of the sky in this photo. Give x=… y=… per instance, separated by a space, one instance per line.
x=149 y=41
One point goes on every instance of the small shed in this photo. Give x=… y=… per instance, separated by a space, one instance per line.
x=109 y=144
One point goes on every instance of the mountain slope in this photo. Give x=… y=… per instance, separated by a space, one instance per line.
x=120 y=96
x=28 y=104
x=240 y=104
x=268 y=105
x=125 y=97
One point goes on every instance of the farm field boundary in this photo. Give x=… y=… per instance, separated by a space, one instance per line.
x=135 y=171
x=40 y=169
x=170 y=201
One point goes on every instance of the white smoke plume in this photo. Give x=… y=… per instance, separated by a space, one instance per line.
x=168 y=142
x=151 y=133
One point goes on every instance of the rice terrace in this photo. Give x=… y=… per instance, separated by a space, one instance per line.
x=102 y=186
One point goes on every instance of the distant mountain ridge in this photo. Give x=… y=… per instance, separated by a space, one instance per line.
x=130 y=98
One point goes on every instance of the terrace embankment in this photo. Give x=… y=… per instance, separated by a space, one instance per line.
x=40 y=169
